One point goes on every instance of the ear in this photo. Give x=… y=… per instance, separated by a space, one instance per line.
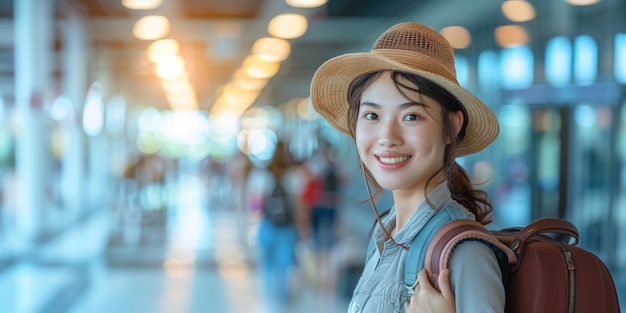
x=456 y=118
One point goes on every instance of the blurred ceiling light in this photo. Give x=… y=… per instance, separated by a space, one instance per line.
x=257 y=68
x=234 y=94
x=511 y=35
x=287 y=26
x=582 y=2
x=186 y=92
x=305 y=109
x=183 y=101
x=243 y=81
x=151 y=27
x=271 y=49
x=518 y=10
x=305 y=3
x=178 y=83
x=221 y=105
x=142 y=4
x=170 y=67
x=161 y=48
x=458 y=36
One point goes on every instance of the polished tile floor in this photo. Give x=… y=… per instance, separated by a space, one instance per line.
x=204 y=263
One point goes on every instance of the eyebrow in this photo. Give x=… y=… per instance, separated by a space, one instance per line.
x=403 y=105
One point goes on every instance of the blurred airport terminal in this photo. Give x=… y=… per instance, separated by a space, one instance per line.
x=134 y=135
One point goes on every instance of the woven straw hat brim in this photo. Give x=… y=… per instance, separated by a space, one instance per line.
x=329 y=91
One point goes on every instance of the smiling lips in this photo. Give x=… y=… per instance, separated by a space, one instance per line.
x=393 y=160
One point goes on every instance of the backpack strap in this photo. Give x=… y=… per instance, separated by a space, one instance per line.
x=416 y=256
x=449 y=236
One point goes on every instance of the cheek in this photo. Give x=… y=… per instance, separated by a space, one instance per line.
x=359 y=141
x=363 y=142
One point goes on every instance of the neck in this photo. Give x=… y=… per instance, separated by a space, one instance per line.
x=407 y=202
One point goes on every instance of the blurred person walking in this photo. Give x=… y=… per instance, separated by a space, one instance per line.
x=322 y=195
x=277 y=232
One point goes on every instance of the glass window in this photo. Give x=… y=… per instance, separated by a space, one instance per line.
x=620 y=58
x=619 y=214
x=517 y=67
x=488 y=73
x=512 y=195
x=590 y=168
x=462 y=70
x=585 y=60
x=558 y=61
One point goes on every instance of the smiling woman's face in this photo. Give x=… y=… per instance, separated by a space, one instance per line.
x=399 y=139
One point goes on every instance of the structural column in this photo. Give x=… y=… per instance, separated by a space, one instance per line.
x=33 y=51
x=74 y=55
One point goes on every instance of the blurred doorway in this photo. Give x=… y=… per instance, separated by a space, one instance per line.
x=560 y=161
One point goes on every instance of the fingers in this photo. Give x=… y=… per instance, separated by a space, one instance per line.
x=444 y=284
x=422 y=278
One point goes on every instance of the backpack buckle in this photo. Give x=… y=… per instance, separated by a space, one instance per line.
x=410 y=289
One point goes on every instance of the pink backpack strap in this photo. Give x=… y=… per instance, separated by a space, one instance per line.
x=453 y=233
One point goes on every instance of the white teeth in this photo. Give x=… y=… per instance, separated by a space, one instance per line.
x=393 y=160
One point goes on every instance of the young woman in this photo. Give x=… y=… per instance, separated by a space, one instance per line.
x=410 y=119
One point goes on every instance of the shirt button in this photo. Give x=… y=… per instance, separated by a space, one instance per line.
x=356 y=308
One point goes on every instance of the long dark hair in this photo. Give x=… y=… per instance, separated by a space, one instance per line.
x=462 y=190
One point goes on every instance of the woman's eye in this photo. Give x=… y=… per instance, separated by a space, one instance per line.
x=411 y=117
x=370 y=116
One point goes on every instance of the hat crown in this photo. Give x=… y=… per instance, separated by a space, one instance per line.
x=419 y=39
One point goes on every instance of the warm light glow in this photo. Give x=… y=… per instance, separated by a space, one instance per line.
x=271 y=49
x=459 y=37
x=305 y=109
x=518 y=10
x=186 y=92
x=170 y=67
x=582 y=2
x=183 y=100
x=243 y=81
x=151 y=27
x=142 y=4
x=257 y=68
x=222 y=105
x=511 y=35
x=161 y=48
x=234 y=94
x=175 y=84
x=287 y=26
x=305 y=3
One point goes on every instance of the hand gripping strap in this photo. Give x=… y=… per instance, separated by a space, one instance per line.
x=417 y=253
x=445 y=240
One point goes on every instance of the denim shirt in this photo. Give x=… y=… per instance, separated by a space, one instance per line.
x=474 y=272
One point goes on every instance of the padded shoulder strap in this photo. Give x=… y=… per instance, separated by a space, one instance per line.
x=417 y=253
x=455 y=232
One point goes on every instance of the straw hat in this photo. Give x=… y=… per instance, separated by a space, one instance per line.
x=411 y=48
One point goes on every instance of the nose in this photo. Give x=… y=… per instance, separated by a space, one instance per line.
x=389 y=135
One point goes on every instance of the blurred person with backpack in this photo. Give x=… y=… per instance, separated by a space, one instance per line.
x=322 y=196
x=277 y=233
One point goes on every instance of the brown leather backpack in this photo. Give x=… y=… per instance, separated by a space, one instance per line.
x=550 y=274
